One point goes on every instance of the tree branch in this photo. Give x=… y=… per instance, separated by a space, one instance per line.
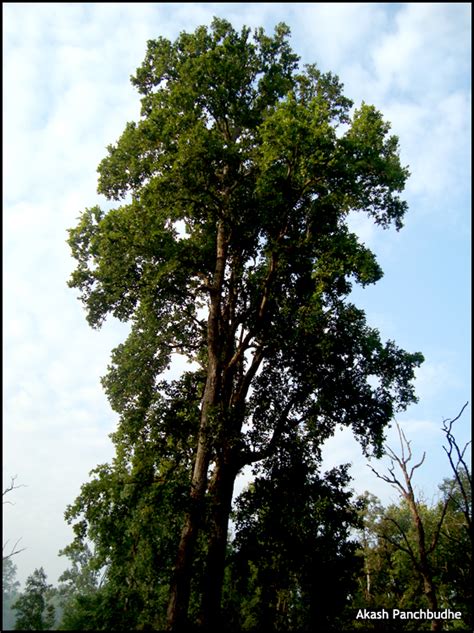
x=14 y=550
x=8 y=489
x=408 y=549
x=453 y=446
x=255 y=456
x=11 y=487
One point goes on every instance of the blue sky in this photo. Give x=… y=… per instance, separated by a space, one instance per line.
x=67 y=95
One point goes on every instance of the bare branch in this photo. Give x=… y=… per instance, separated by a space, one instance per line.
x=453 y=446
x=393 y=481
x=402 y=437
x=8 y=489
x=451 y=422
x=14 y=551
x=417 y=465
x=11 y=487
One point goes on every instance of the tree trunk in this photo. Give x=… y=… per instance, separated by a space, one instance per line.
x=180 y=584
x=430 y=594
x=436 y=625
x=425 y=569
x=181 y=579
x=220 y=491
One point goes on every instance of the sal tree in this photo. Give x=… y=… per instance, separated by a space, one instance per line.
x=230 y=246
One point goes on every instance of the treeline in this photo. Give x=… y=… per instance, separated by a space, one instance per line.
x=305 y=555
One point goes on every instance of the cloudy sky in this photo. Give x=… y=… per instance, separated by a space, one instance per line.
x=67 y=95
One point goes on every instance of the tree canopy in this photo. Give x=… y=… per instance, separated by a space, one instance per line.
x=34 y=612
x=230 y=247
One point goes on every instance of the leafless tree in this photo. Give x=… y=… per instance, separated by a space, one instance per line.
x=14 y=550
x=419 y=555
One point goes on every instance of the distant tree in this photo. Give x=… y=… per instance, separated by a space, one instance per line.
x=390 y=579
x=375 y=587
x=81 y=578
x=88 y=599
x=10 y=592
x=232 y=249
x=34 y=612
x=14 y=549
x=421 y=537
x=419 y=553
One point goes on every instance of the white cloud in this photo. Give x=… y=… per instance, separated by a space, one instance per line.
x=337 y=34
x=435 y=143
x=433 y=376
x=429 y=47
x=422 y=69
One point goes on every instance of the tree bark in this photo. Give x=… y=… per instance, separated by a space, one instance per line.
x=220 y=491
x=229 y=460
x=181 y=580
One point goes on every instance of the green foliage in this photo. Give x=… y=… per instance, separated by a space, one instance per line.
x=34 y=611
x=390 y=577
x=134 y=545
x=293 y=565
x=232 y=251
x=454 y=555
x=77 y=585
x=10 y=593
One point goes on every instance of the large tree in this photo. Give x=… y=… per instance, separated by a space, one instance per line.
x=231 y=247
x=34 y=609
